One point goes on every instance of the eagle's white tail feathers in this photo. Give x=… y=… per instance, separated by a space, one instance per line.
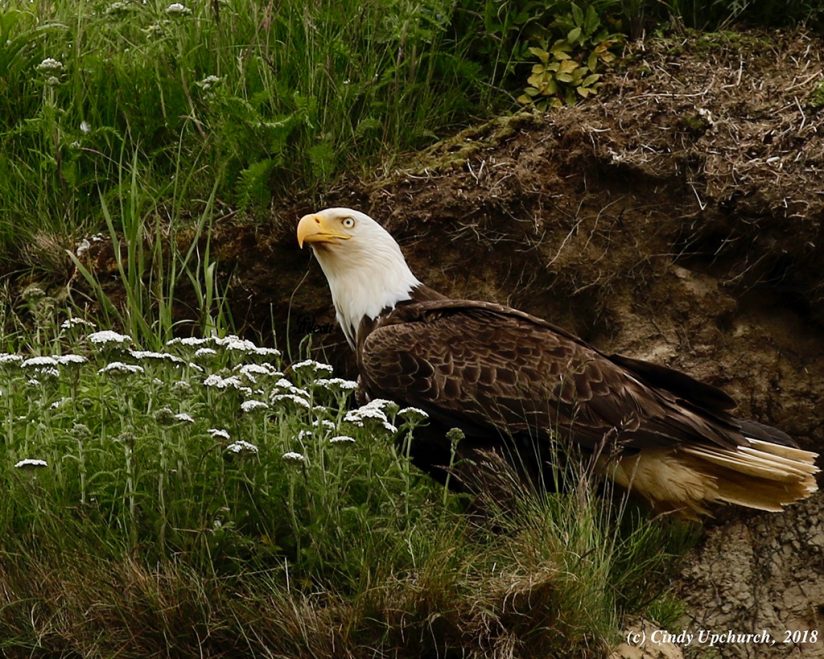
x=762 y=475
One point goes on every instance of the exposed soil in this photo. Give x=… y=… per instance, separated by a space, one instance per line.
x=679 y=217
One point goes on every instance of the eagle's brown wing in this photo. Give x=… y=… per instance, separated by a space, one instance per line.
x=485 y=367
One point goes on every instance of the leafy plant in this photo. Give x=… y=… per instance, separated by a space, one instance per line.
x=568 y=65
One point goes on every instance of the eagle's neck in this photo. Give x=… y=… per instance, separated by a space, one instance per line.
x=364 y=287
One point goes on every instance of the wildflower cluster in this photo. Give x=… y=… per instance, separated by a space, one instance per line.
x=204 y=424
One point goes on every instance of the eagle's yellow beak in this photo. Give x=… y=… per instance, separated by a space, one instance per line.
x=319 y=229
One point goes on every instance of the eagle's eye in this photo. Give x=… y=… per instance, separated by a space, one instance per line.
x=348 y=222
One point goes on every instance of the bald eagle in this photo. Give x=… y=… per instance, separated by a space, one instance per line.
x=503 y=375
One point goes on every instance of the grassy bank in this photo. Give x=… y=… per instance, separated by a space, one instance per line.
x=246 y=97
x=252 y=100
x=197 y=498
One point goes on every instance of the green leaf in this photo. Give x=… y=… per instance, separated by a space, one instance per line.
x=577 y=14
x=591 y=79
x=537 y=79
x=540 y=53
x=562 y=44
x=592 y=61
x=574 y=34
x=592 y=21
x=567 y=66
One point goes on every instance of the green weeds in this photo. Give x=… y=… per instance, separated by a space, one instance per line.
x=246 y=99
x=194 y=487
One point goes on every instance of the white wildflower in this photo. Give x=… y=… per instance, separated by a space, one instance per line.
x=208 y=82
x=59 y=403
x=251 y=370
x=49 y=371
x=70 y=323
x=311 y=366
x=267 y=352
x=235 y=344
x=52 y=81
x=71 y=360
x=205 y=353
x=9 y=358
x=219 y=432
x=240 y=447
x=380 y=404
x=153 y=30
x=290 y=457
x=297 y=400
x=31 y=463
x=214 y=380
x=178 y=9
x=182 y=416
x=304 y=434
x=117 y=7
x=50 y=65
x=231 y=382
x=253 y=405
x=336 y=384
x=182 y=386
x=108 y=337
x=33 y=292
x=33 y=382
x=414 y=414
x=39 y=362
x=284 y=385
x=195 y=367
x=160 y=356
x=340 y=440
x=189 y=341
x=120 y=367
x=369 y=413
x=85 y=128
x=323 y=423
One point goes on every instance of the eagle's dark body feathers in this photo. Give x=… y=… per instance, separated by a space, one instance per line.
x=498 y=373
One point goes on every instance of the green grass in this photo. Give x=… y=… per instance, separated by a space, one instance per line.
x=250 y=99
x=146 y=531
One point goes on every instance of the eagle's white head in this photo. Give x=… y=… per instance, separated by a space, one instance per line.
x=363 y=264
